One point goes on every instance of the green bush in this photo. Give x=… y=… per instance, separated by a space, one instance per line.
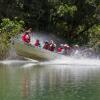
x=94 y=37
x=8 y=29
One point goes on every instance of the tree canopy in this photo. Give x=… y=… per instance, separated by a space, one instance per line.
x=76 y=20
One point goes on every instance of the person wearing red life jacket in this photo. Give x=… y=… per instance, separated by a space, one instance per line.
x=46 y=45
x=26 y=37
x=60 y=49
x=52 y=45
x=37 y=43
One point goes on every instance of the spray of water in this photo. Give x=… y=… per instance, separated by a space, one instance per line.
x=63 y=61
x=29 y=65
x=10 y=62
x=73 y=61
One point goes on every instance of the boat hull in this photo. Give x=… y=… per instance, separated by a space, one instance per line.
x=30 y=51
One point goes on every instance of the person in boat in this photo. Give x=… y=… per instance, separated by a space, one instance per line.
x=29 y=30
x=52 y=45
x=46 y=45
x=60 y=49
x=76 y=49
x=67 y=49
x=26 y=37
x=37 y=43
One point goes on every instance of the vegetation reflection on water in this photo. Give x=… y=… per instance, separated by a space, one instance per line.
x=49 y=82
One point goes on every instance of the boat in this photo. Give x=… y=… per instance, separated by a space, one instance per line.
x=29 y=51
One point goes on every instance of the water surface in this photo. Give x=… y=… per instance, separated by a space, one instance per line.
x=25 y=80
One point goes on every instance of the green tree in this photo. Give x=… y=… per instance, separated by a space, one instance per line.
x=8 y=29
x=73 y=18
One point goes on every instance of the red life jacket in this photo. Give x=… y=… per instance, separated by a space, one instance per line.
x=51 y=47
x=59 y=49
x=36 y=44
x=25 y=39
x=46 y=46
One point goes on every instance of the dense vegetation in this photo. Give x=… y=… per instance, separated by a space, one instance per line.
x=78 y=21
x=8 y=29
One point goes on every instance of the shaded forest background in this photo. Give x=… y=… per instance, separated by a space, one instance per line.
x=78 y=21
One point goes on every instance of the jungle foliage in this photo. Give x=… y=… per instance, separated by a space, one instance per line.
x=8 y=29
x=78 y=21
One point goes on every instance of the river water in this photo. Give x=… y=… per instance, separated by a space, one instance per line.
x=54 y=80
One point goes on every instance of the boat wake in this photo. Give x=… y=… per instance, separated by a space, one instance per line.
x=10 y=62
x=29 y=65
x=63 y=61
x=73 y=61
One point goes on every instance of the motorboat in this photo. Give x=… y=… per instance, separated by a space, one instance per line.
x=29 y=51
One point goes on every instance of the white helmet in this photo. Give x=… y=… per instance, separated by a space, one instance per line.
x=61 y=45
x=66 y=45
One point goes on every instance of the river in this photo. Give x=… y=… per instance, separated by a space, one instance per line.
x=54 y=80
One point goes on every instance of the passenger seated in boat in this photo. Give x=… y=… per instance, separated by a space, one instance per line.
x=37 y=43
x=67 y=49
x=46 y=45
x=29 y=30
x=52 y=45
x=76 y=49
x=26 y=37
x=51 y=42
x=60 y=49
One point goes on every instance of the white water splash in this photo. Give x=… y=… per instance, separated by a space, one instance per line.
x=73 y=61
x=9 y=62
x=29 y=65
x=63 y=61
